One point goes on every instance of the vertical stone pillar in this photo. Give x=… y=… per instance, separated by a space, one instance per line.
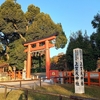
x=78 y=71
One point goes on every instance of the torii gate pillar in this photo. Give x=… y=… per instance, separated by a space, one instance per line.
x=28 y=62
x=47 y=59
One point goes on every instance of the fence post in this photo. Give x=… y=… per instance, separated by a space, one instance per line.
x=34 y=86
x=88 y=78
x=25 y=95
x=70 y=77
x=53 y=78
x=60 y=97
x=99 y=78
x=20 y=83
x=40 y=81
x=5 y=92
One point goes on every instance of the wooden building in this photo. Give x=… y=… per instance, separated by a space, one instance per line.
x=4 y=67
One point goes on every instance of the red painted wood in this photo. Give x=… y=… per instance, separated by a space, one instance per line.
x=28 y=65
x=45 y=47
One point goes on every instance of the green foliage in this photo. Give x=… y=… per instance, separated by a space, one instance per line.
x=77 y=40
x=1 y=48
x=19 y=27
x=61 y=63
x=43 y=26
x=61 y=40
x=31 y=13
x=95 y=37
x=90 y=47
x=1 y=54
x=17 y=56
x=38 y=63
x=58 y=62
x=12 y=18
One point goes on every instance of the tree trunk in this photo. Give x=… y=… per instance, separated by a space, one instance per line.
x=22 y=37
x=7 y=56
x=19 y=33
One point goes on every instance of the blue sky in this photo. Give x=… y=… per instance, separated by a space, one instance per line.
x=74 y=15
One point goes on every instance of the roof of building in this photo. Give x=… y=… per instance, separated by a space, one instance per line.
x=4 y=65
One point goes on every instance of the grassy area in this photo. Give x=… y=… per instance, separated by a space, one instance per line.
x=65 y=89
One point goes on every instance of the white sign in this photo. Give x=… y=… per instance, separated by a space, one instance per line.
x=78 y=70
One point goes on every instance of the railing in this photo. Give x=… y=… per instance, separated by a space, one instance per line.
x=26 y=92
x=90 y=78
x=15 y=75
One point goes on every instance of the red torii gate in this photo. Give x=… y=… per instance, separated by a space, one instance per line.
x=35 y=46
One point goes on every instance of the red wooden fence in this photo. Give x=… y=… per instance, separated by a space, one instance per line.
x=90 y=78
x=15 y=75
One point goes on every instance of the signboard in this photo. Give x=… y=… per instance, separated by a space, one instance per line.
x=78 y=70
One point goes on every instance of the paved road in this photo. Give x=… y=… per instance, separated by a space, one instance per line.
x=25 y=84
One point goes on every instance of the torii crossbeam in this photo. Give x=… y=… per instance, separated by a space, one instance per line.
x=35 y=46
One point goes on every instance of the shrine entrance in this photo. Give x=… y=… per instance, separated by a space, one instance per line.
x=36 y=46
